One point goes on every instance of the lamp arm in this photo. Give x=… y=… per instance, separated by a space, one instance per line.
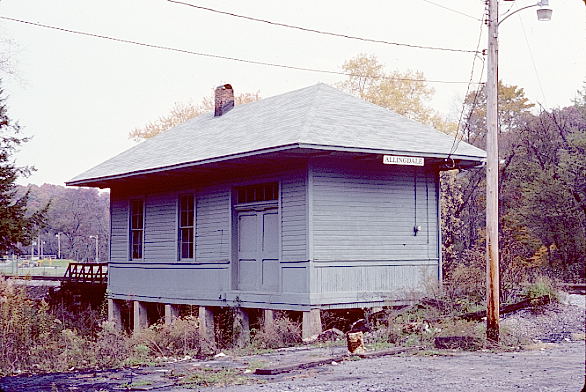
x=520 y=9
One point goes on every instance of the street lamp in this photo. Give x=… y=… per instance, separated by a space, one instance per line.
x=492 y=159
x=97 y=254
x=58 y=235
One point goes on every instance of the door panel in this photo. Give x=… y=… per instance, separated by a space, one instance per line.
x=270 y=250
x=258 y=250
x=248 y=263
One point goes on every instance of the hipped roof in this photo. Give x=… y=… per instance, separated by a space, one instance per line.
x=317 y=117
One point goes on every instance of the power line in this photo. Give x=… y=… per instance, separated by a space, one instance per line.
x=307 y=29
x=453 y=10
x=456 y=142
x=216 y=56
x=532 y=60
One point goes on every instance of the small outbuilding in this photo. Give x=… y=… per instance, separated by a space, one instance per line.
x=309 y=200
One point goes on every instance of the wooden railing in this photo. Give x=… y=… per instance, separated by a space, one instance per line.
x=96 y=273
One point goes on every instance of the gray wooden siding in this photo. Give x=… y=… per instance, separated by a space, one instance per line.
x=160 y=230
x=119 y=229
x=167 y=282
x=363 y=245
x=361 y=215
x=294 y=218
x=212 y=232
x=160 y=277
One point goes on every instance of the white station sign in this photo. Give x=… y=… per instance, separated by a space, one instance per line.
x=401 y=160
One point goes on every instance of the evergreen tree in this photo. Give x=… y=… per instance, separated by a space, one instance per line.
x=16 y=226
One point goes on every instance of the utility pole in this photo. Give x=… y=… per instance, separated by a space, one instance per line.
x=492 y=163
x=492 y=220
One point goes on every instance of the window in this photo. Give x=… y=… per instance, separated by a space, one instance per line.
x=136 y=228
x=186 y=227
x=267 y=191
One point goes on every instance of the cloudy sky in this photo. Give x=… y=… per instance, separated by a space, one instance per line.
x=79 y=96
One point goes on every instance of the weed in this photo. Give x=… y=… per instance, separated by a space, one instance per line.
x=256 y=364
x=136 y=384
x=542 y=286
x=214 y=377
x=379 y=345
x=282 y=332
x=431 y=353
x=178 y=338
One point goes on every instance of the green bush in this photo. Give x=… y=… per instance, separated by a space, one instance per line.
x=542 y=286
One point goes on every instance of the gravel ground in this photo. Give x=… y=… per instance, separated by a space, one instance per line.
x=553 y=323
x=559 y=368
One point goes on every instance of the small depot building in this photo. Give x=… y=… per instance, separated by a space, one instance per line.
x=309 y=200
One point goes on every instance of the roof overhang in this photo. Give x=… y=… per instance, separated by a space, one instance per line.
x=300 y=150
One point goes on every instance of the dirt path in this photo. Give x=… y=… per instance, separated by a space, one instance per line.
x=559 y=367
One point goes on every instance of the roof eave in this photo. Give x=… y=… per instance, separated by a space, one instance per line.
x=93 y=180
x=472 y=160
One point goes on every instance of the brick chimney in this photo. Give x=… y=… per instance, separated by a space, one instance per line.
x=224 y=100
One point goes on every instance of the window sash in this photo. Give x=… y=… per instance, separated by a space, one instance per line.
x=186 y=227
x=136 y=229
x=268 y=191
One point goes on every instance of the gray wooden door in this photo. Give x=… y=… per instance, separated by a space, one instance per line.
x=258 y=250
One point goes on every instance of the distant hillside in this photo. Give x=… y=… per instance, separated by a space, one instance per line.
x=76 y=213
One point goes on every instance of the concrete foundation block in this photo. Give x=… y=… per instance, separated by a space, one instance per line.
x=241 y=328
x=171 y=313
x=115 y=312
x=207 y=333
x=140 y=316
x=269 y=318
x=311 y=326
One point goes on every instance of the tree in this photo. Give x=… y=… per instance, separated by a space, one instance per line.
x=75 y=213
x=181 y=112
x=405 y=93
x=513 y=108
x=513 y=112
x=15 y=224
x=542 y=190
x=547 y=187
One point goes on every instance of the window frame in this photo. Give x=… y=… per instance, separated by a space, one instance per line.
x=180 y=228
x=246 y=190
x=132 y=230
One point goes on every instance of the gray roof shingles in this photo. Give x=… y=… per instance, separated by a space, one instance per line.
x=318 y=116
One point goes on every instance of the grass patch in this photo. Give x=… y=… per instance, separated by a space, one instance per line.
x=214 y=377
x=256 y=364
x=136 y=384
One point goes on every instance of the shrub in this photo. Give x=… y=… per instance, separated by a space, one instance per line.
x=111 y=347
x=283 y=332
x=542 y=286
x=179 y=338
x=466 y=281
x=24 y=324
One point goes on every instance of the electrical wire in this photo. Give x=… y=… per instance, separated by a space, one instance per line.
x=216 y=56
x=456 y=142
x=307 y=29
x=453 y=10
x=532 y=60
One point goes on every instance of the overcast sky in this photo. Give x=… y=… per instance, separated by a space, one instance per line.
x=79 y=96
